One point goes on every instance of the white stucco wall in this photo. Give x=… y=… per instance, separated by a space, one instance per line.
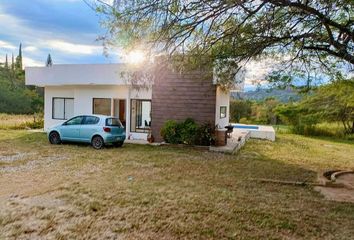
x=222 y=99
x=83 y=98
x=49 y=93
x=77 y=74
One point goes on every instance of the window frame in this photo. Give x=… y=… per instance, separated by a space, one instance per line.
x=146 y=130
x=93 y=106
x=64 y=98
x=223 y=107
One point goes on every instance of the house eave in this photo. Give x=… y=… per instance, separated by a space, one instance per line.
x=76 y=74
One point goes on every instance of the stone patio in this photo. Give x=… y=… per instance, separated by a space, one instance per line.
x=235 y=143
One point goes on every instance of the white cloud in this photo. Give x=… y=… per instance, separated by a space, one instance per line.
x=93 y=2
x=256 y=71
x=68 y=47
x=7 y=45
x=30 y=49
x=29 y=62
x=37 y=43
x=109 y=2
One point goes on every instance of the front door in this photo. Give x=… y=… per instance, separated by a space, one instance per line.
x=119 y=110
x=70 y=130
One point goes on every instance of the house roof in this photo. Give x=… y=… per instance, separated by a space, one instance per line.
x=92 y=74
x=76 y=74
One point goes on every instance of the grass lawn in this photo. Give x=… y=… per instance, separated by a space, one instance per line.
x=143 y=192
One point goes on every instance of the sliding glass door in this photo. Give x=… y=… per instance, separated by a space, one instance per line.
x=140 y=115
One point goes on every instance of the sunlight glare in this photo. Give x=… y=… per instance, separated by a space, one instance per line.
x=135 y=57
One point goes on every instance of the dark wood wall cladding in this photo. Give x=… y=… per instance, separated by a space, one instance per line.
x=178 y=96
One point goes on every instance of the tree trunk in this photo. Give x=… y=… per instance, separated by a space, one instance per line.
x=345 y=127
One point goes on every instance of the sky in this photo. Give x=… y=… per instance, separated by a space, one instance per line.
x=66 y=29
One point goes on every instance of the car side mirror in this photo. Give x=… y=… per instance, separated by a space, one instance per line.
x=64 y=124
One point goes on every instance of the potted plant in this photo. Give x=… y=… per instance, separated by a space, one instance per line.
x=150 y=138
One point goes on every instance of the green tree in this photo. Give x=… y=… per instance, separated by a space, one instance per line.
x=18 y=63
x=6 y=65
x=15 y=96
x=333 y=103
x=240 y=109
x=311 y=34
x=49 y=61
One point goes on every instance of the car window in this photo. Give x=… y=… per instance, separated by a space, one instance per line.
x=75 y=121
x=114 y=122
x=91 y=120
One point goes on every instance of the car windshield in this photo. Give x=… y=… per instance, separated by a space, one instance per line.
x=114 y=122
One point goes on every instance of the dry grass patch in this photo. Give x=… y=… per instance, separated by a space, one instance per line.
x=20 y=121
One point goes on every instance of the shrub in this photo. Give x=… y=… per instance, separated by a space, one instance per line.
x=170 y=132
x=38 y=124
x=187 y=132
x=205 y=135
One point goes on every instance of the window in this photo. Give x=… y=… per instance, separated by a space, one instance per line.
x=75 y=121
x=62 y=108
x=223 y=111
x=140 y=115
x=91 y=120
x=102 y=106
x=114 y=122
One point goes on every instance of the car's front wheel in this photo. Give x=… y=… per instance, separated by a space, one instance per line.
x=97 y=142
x=54 y=138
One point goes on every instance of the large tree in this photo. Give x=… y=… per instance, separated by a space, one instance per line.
x=307 y=34
x=332 y=102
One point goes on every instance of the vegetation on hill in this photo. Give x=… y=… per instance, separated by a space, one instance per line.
x=15 y=96
x=261 y=94
x=328 y=107
x=330 y=103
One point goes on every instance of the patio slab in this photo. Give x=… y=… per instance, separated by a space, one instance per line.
x=141 y=142
x=234 y=144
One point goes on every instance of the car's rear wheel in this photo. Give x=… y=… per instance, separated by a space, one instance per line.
x=97 y=142
x=54 y=138
x=118 y=144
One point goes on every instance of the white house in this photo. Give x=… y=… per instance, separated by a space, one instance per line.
x=80 y=89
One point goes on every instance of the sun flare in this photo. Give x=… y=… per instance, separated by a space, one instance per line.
x=136 y=57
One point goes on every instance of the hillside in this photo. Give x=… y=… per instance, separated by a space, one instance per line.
x=261 y=94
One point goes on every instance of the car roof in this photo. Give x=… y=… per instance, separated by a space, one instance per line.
x=99 y=115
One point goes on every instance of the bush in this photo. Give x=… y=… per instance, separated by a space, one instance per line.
x=38 y=124
x=170 y=132
x=205 y=135
x=187 y=132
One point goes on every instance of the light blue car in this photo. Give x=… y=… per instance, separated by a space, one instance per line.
x=95 y=129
